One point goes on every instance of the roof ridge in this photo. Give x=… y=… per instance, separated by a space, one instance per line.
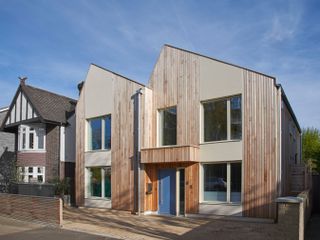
x=56 y=94
x=218 y=60
x=103 y=68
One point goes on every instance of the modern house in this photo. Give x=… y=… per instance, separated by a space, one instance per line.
x=7 y=154
x=204 y=136
x=44 y=127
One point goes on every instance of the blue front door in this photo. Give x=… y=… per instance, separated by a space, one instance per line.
x=167 y=191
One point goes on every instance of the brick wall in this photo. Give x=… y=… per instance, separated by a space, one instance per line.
x=293 y=214
x=29 y=159
x=53 y=152
x=32 y=208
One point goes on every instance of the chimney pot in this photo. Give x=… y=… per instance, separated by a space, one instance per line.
x=23 y=80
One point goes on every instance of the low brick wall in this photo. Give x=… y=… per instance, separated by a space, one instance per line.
x=293 y=214
x=47 y=210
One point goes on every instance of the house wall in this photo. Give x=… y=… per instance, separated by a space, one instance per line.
x=7 y=153
x=70 y=143
x=290 y=148
x=107 y=93
x=261 y=158
x=52 y=152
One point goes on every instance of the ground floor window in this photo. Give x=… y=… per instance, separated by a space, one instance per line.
x=99 y=182
x=222 y=182
x=31 y=174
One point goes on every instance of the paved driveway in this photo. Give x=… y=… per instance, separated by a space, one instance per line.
x=17 y=230
x=123 y=225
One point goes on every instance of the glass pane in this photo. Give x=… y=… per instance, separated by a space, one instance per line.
x=40 y=134
x=235 y=182
x=30 y=169
x=215 y=120
x=107 y=182
x=215 y=182
x=95 y=182
x=169 y=126
x=95 y=137
x=31 y=137
x=24 y=140
x=40 y=179
x=236 y=118
x=107 y=132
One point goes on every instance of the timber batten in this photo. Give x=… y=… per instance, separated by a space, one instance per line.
x=170 y=154
x=260 y=155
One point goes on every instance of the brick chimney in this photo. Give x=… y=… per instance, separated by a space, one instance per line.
x=23 y=80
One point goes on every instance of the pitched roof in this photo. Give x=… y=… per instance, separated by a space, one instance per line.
x=50 y=106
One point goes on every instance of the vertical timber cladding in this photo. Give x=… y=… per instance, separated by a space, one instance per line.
x=175 y=82
x=261 y=140
x=80 y=148
x=122 y=153
x=191 y=188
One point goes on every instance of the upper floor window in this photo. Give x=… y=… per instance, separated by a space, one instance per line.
x=222 y=119
x=168 y=126
x=99 y=133
x=31 y=137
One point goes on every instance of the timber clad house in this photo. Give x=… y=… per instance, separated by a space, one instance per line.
x=44 y=127
x=203 y=136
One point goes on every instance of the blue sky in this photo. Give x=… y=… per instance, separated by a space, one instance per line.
x=53 y=42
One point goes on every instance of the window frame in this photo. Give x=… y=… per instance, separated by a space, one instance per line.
x=160 y=125
x=103 y=179
x=202 y=124
x=24 y=134
x=103 y=133
x=228 y=192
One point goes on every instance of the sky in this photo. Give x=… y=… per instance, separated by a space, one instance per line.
x=54 y=42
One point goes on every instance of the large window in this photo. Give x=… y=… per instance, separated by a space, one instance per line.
x=99 y=133
x=31 y=137
x=31 y=174
x=222 y=182
x=168 y=126
x=222 y=119
x=99 y=184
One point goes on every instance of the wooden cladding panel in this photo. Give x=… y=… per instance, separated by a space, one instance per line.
x=192 y=188
x=80 y=148
x=191 y=185
x=170 y=154
x=175 y=82
x=122 y=168
x=261 y=151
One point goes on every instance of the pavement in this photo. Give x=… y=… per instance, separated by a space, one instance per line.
x=105 y=224
x=11 y=229
x=124 y=225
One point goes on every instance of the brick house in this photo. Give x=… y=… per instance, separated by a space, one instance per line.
x=43 y=124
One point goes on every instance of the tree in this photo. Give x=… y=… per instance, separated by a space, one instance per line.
x=311 y=148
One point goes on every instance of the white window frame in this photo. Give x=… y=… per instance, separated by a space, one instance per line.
x=88 y=133
x=88 y=183
x=228 y=99
x=24 y=175
x=228 y=193
x=26 y=129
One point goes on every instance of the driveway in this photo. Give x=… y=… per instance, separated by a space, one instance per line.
x=124 y=225
x=11 y=229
